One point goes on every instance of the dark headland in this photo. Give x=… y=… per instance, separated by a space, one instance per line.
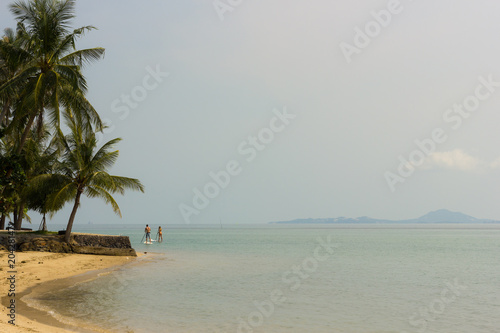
x=438 y=216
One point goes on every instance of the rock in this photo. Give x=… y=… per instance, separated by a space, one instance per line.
x=25 y=247
x=104 y=251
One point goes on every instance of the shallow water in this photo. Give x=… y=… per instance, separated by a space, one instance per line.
x=285 y=279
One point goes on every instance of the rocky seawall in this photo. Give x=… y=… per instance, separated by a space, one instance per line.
x=79 y=243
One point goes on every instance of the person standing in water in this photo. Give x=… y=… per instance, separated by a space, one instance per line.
x=147 y=230
x=160 y=235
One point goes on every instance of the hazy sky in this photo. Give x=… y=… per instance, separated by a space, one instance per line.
x=308 y=106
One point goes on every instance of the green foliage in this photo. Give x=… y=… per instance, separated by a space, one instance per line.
x=12 y=178
x=41 y=82
x=50 y=76
x=11 y=165
x=42 y=232
x=84 y=168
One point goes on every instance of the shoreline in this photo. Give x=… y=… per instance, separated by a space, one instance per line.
x=59 y=270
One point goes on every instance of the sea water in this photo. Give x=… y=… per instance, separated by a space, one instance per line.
x=290 y=278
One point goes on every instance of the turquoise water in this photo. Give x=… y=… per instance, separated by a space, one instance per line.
x=298 y=279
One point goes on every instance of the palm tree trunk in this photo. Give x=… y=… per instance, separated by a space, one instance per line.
x=14 y=212
x=72 y=216
x=25 y=133
x=44 y=223
x=2 y=222
x=18 y=218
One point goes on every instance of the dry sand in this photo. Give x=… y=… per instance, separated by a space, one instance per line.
x=38 y=269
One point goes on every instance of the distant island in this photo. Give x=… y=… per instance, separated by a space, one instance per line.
x=438 y=216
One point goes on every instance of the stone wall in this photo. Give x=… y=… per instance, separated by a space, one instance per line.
x=79 y=243
x=120 y=242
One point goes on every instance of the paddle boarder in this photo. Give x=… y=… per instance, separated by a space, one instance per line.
x=147 y=230
x=160 y=235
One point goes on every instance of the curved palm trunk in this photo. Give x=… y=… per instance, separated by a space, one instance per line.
x=72 y=216
x=26 y=133
x=44 y=223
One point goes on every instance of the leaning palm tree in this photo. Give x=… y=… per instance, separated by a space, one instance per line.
x=51 y=76
x=83 y=170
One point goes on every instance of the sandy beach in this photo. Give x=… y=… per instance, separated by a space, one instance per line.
x=41 y=270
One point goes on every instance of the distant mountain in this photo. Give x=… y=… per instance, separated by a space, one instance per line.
x=438 y=216
x=446 y=216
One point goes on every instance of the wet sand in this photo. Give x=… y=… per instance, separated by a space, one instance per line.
x=38 y=272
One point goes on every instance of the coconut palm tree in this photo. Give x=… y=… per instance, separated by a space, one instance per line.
x=51 y=76
x=83 y=170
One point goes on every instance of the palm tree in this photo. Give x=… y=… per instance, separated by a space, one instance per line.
x=51 y=75
x=83 y=170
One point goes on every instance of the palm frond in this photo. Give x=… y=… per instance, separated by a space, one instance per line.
x=128 y=183
x=59 y=198
x=72 y=76
x=94 y=191
x=104 y=160
x=117 y=183
x=16 y=84
x=82 y=58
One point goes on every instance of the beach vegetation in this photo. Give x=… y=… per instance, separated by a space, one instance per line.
x=49 y=78
x=83 y=170
x=42 y=167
